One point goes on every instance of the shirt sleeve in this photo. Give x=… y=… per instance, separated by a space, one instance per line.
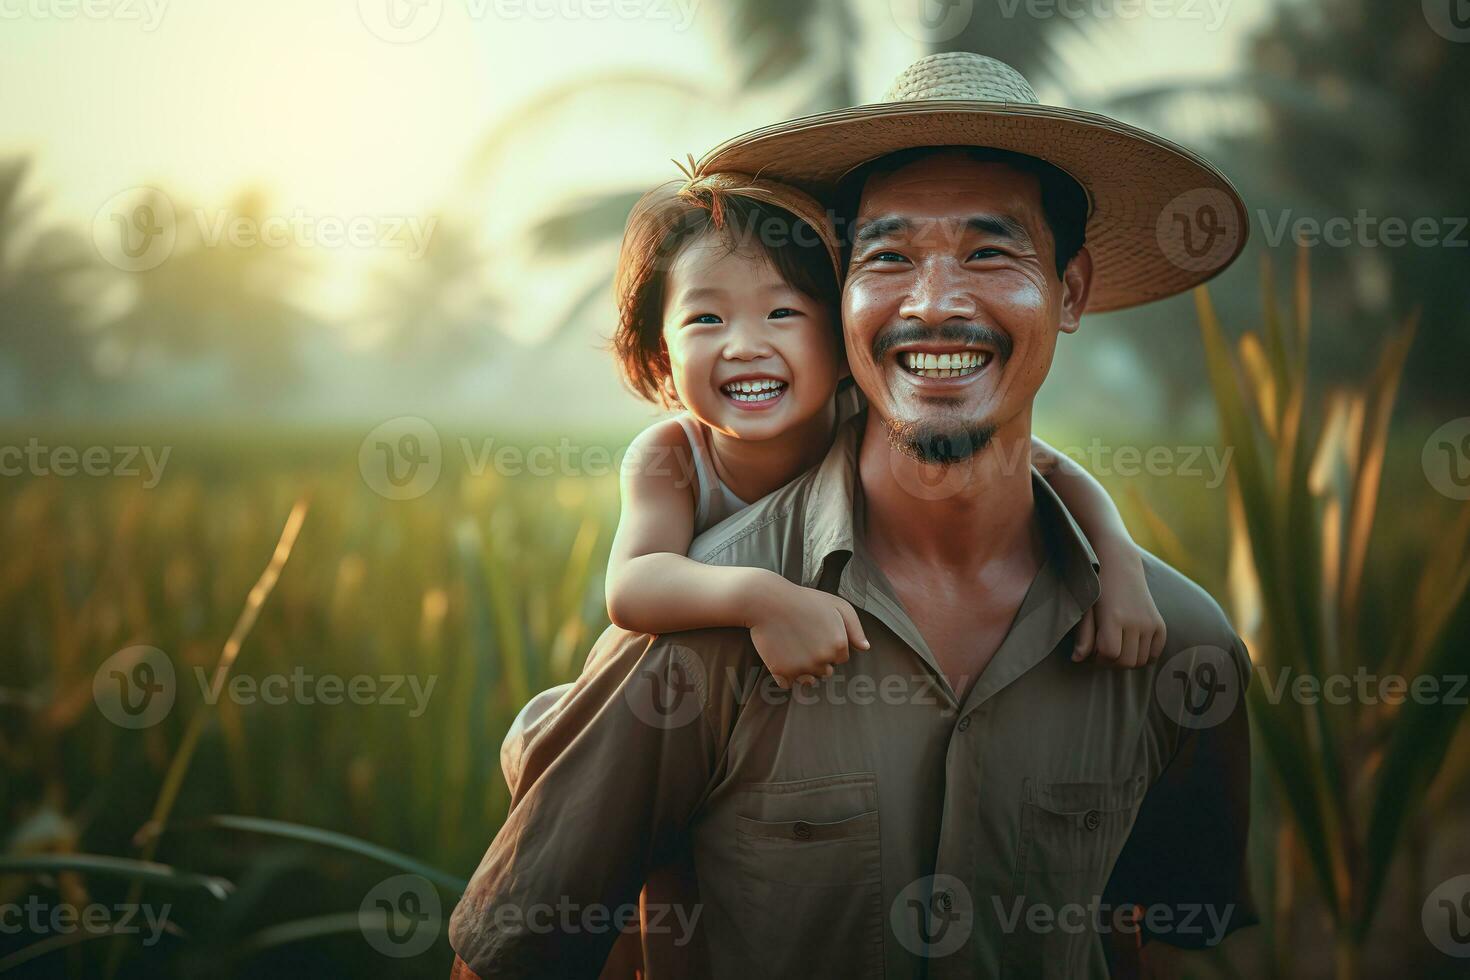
x=1185 y=859
x=607 y=787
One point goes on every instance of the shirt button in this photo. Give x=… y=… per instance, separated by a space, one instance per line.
x=965 y=723
x=802 y=830
x=1092 y=819
x=944 y=901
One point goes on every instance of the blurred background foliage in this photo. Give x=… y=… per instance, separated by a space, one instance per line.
x=263 y=375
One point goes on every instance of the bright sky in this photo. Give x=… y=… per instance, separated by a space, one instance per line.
x=306 y=99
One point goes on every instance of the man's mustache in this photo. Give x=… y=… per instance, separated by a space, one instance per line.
x=960 y=334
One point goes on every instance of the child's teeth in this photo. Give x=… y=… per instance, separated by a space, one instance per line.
x=759 y=390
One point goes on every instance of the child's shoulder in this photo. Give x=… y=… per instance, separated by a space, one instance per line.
x=661 y=447
x=669 y=433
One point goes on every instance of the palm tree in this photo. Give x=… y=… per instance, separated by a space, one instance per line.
x=436 y=315
x=772 y=42
x=45 y=311
x=232 y=299
x=1357 y=106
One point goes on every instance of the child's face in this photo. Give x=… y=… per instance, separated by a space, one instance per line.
x=730 y=323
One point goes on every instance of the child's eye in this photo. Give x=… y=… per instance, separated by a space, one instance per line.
x=704 y=318
x=783 y=313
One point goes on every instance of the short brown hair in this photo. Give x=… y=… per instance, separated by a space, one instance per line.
x=662 y=224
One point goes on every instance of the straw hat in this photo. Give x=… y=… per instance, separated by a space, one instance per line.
x=783 y=196
x=1161 y=219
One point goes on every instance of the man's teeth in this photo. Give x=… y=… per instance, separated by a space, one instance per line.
x=955 y=365
x=760 y=390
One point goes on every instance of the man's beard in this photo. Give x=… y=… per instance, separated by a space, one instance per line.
x=942 y=444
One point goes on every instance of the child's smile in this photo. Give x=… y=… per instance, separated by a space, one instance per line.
x=754 y=392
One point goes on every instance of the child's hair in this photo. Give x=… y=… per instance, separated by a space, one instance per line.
x=781 y=223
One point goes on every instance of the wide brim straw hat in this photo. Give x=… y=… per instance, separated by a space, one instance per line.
x=1161 y=219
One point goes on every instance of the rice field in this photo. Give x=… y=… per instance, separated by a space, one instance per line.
x=356 y=735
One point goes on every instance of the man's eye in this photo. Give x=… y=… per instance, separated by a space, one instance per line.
x=782 y=313
x=887 y=257
x=986 y=253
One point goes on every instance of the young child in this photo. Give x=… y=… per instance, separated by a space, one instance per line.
x=728 y=293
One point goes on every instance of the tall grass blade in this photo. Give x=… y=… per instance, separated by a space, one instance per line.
x=147 y=872
x=174 y=779
x=331 y=839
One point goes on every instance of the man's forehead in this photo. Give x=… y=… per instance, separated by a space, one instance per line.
x=949 y=187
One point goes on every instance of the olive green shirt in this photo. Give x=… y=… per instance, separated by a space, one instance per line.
x=875 y=826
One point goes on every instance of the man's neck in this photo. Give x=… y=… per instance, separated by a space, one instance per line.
x=963 y=516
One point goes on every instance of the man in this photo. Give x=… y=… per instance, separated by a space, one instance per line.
x=962 y=799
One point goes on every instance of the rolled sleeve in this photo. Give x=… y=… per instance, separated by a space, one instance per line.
x=608 y=784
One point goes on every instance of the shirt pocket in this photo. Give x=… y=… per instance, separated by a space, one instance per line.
x=1071 y=834
x=811 y=876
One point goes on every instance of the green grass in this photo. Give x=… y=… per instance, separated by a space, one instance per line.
x=490 y=588
x=490 y=585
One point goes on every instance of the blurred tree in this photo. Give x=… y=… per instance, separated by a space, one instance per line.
x=45 y=275
x=226 y=290
x=435 y=314
x=1355 y=108
x=772 y=42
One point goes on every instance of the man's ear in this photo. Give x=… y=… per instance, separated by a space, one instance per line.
x=1076 y=284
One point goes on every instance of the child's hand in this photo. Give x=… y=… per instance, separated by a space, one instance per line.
x=1124 y=628
x=800 y=633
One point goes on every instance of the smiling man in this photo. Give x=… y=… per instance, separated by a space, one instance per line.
x=961 y=800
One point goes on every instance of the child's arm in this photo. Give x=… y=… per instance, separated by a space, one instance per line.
x=652 y=587
x=1125 y=627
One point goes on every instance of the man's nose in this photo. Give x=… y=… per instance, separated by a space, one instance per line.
x=938 y=294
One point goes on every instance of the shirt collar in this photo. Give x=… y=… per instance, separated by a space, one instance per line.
x=834 y=495
x=828 y=515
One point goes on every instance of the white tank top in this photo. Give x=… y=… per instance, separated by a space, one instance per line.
x=713 y=500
